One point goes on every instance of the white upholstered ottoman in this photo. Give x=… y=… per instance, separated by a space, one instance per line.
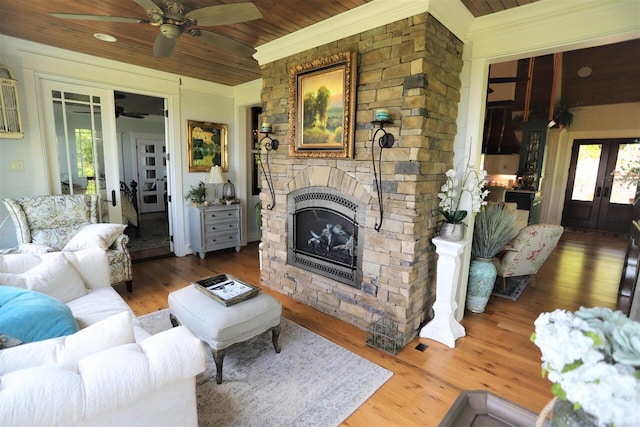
x=221 y=327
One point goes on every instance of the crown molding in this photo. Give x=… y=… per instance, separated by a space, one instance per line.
x=453 y=15
x=548 y=26
x=371 y=15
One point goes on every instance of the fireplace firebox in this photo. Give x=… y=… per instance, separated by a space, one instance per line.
x=325 y=230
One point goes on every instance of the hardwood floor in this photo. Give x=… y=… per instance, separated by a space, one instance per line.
x=495 y=355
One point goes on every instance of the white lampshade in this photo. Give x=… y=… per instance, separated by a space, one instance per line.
x=215 y=176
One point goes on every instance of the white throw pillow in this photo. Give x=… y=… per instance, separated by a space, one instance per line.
x=54 y=276
x=110 y=332
x=95 y=236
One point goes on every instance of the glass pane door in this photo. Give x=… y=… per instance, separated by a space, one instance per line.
x=602 y=186
x=81 y=143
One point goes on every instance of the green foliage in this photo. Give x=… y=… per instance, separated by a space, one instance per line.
x=494 y=227
x=562 y=113
x=315 y=135
x=453 y=217
x=338 y=134
x=322 y=104
x=197 y=194
x=309 y=110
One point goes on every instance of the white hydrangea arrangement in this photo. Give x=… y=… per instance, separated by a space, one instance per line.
x=592 y=357
x=473 y=183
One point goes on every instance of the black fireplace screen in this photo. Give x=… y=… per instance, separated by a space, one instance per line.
x=323 y=235
x=326 y=235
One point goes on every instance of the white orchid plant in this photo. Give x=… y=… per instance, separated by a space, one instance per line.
x=451 y=192
x=592 y=357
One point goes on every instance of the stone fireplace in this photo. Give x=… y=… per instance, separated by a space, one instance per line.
x=323 y=234
x=320 y=244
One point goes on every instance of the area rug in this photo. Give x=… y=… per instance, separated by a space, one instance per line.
x=515 y=286
x=154 y=232
x=312 y=382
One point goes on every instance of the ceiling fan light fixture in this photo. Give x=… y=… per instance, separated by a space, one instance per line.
x=105 y=37
x=170 y=31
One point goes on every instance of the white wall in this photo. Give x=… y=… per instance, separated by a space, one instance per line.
x=187 y=99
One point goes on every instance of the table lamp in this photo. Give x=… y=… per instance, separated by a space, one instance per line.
x=213 y=183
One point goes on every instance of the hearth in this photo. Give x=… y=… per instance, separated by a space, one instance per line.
x=325 y=230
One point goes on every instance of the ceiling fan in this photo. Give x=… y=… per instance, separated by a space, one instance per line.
x=175 y=17
x=119 y=110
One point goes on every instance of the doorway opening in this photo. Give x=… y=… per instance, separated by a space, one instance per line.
x=601 y=189
x=140 y=124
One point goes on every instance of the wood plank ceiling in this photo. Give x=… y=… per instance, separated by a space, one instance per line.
x=31 y=20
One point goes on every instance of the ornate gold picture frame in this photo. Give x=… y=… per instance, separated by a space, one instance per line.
x=206 y=145
x=322 y=107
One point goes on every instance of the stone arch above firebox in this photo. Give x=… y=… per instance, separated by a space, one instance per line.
x=327 y=176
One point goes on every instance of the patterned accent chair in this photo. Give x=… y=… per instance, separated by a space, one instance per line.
x=525 y=254
x=48 y=223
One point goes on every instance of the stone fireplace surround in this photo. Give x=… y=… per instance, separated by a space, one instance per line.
x=410 y=67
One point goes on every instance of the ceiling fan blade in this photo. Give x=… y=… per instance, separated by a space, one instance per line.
x=134 y=115
x=99 y=18
x=148 y=5
x=153 y=11
x=163 y=46
x=225 y=43
x=225 y=14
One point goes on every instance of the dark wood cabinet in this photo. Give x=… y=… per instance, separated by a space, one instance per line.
x=526 y=200
x=534 y=138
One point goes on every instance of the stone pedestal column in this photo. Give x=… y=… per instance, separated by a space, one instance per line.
x=444 y=327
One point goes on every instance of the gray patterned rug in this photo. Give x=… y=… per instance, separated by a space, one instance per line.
x=515 y=287
x=154 y=232
x=312 y=382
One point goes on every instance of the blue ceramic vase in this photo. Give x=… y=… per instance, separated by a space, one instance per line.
x=482 y=276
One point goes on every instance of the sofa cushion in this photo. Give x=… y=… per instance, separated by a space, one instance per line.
x=95 y=236
x=97 y=305
x=33 y=316
x=7 y=341
x=110 y=332
x=54 y=276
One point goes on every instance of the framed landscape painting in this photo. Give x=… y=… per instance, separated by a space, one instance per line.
x=206 y=146
x=321 y=107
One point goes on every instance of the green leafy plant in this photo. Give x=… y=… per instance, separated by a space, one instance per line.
x=562 y=113
x=197 y=194
x=494 y=227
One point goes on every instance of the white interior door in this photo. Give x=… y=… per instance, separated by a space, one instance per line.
x=152 y=173
x=82 y=149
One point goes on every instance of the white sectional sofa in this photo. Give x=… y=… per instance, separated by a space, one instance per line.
x=110 y=372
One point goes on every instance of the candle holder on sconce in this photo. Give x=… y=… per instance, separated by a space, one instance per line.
x=269 y=145
x=386 y=140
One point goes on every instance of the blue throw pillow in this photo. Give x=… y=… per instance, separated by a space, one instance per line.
x=32 y=316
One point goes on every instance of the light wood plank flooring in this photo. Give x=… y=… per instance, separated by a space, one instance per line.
x=495 y=355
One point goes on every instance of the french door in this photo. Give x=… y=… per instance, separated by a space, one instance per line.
x=82 y=147
x=152 y=173
x=601 y=189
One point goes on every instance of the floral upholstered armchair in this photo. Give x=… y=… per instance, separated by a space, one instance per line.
x=68 y=223
x=525 y=254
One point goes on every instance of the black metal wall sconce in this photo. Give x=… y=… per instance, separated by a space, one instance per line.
x=269 y=144
x=386 y=140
